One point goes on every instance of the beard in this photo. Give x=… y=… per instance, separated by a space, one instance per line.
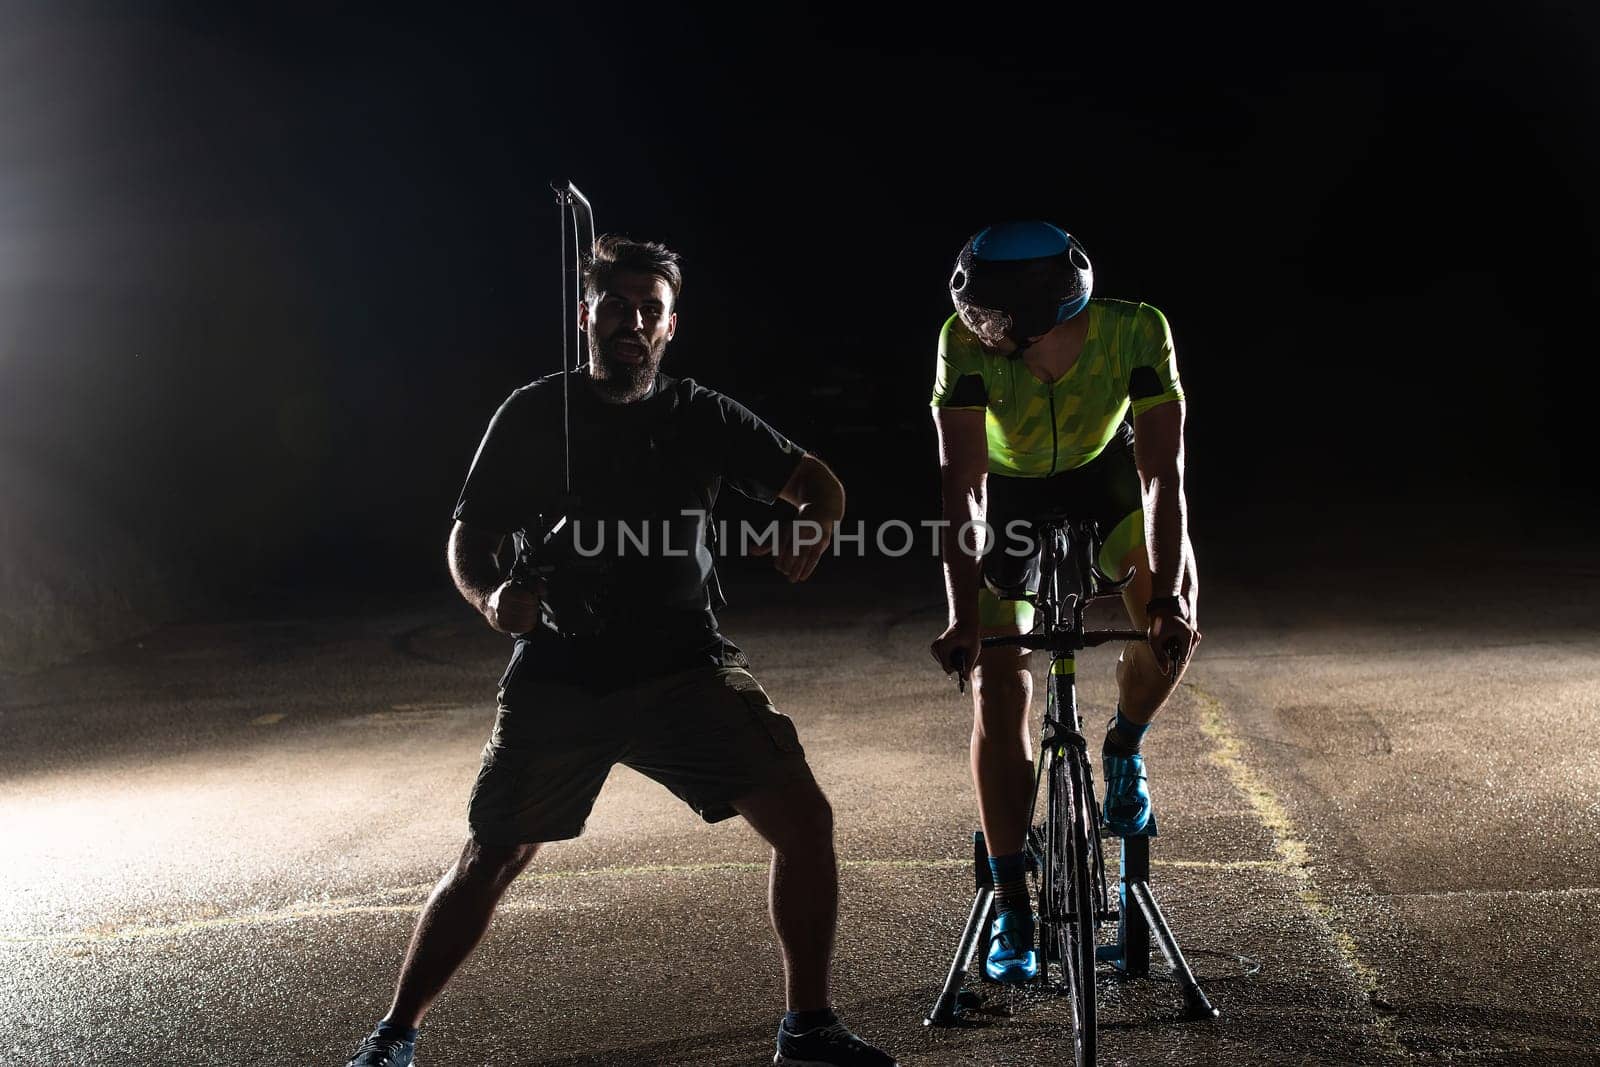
x=616 y=378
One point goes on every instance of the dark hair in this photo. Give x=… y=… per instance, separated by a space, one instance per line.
x=614 y=254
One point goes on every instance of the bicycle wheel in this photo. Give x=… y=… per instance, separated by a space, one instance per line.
x=1071 y=903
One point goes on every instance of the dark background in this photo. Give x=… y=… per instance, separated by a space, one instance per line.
x=264 y=277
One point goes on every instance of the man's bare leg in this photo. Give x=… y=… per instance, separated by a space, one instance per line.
x=797 y=821
x=1002 y=770
x=1002 y=754
x=1142 y=689
x=1141 y=686
x=452 y=923
x=803 y=895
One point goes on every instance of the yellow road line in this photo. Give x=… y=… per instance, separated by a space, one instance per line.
x=371 y=903
x=1498 y=894
x=1294 y=855
x=1219 y=865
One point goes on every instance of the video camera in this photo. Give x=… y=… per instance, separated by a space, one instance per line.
x=572 y=590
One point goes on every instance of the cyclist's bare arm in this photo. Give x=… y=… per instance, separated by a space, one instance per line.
x=1158 y=452
x=963 y=480
x=475 y=567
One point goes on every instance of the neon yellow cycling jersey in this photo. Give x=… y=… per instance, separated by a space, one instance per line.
x=1036 y=429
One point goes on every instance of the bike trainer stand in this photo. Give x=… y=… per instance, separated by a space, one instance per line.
x=1138 y=916
x=953 y=999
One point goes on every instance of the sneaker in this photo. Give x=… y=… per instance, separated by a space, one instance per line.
x=383 y=1051
x=1011 y=954
x=1127 y=807
x=828 y=1046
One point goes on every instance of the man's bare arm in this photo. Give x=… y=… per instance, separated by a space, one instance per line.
x=475 y=567
x=963 y=483
x=818 y=496
x=1158 y=451
x=474 y=563
x=814 y=485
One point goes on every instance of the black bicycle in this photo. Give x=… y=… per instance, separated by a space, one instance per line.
x=1065 y=850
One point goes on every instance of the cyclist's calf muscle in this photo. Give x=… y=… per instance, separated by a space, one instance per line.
x=1141 y=685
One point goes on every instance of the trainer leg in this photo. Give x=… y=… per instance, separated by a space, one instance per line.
x=803 y=894
x=452 y=923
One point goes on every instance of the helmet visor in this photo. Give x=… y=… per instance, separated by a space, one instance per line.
x=991 y=327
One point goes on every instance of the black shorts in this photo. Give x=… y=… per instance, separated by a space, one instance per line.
x=709 y=734
x=1105 y=490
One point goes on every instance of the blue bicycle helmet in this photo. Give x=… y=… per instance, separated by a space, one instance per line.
x=1018 y=280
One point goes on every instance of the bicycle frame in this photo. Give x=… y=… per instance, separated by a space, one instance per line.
x=1072 y=866
x=1059 y=629
x=1062 y=726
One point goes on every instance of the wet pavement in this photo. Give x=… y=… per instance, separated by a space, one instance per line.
x=1379 y=806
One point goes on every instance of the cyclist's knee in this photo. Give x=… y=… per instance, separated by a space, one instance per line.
x=1002 y=676
x=1137 y=663
x=1002 y=707
x=1137 y=592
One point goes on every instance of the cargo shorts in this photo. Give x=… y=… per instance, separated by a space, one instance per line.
x=709 y=734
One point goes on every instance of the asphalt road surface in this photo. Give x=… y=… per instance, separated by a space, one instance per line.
x=1379 y=800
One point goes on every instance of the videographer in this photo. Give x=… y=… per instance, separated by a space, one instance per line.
x=619 y=657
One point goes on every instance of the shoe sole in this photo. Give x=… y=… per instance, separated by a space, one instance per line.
x=1017 y=978
x=780 y=1060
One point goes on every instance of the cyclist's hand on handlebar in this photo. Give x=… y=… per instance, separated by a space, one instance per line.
x=513 y=608
x=956 y=650
x=1173 y=640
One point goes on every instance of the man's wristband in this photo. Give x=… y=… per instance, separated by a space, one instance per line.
x=1167 y=605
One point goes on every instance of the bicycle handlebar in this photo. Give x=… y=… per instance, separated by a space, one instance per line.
x=1061 y=637
x=1088 y=639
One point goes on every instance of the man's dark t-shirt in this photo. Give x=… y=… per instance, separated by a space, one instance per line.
x=645 y=476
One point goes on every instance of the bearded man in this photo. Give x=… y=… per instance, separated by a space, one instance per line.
x=619 y=658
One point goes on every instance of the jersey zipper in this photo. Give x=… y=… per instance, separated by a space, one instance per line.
x=1052 y=388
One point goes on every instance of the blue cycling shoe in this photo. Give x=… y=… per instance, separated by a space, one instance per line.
x=1127 y=808
x=1011 y=955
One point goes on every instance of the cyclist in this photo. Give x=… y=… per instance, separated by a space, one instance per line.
x=1031 y=398
x=624 y=662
